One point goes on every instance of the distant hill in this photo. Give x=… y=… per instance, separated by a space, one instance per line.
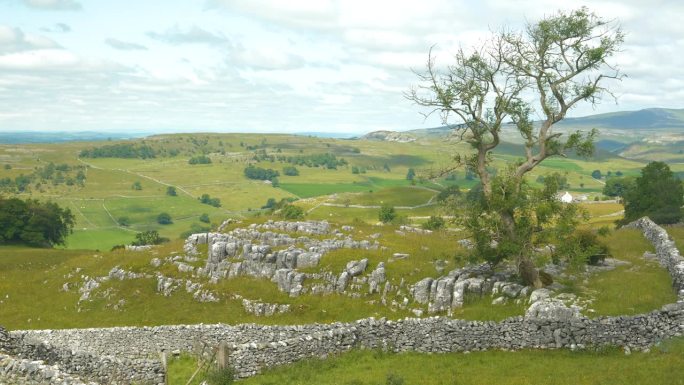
x=617 y=128
x=651 y=118
x=18 y=137
x=390 y=136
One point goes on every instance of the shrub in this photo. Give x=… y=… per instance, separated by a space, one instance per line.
x=291 y=212
x=200 y=159
x=124 y=221
x=270 y=204
x=584 y=246
x=434 y=223
x=164 y=219
x=290 y=171
x=387 y=213
x=171 y=191
x=204 y=218
x=148 y=238
x=136 y=185
x=208 y=200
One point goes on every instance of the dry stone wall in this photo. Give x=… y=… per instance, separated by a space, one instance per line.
x=30 y=361
x=255 y=347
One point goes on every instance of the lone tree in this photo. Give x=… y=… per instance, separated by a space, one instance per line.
x=657 y=193
x=545 y=70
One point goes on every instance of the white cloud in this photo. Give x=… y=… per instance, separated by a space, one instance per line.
x=124 y=45
x=193 y=35
x=15 y=40
x=56 y=5
x=284 y=65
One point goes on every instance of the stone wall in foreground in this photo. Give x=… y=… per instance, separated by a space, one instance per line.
x=255 y=347
x=30 y=361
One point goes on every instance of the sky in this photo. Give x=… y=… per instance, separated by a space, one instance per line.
x=338 y=66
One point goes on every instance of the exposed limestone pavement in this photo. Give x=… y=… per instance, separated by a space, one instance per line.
x=130 y=354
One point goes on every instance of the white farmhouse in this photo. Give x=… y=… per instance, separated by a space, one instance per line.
x=566 y=198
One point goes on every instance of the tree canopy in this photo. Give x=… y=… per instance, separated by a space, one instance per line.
x=34 y=223
x=657 y=193
x=544 y=70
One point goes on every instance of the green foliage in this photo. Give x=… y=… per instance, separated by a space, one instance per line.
x=150 y=237
x=124 y=221
x=434 y=223
x=258 y=173
x=270 y=203
x=164 y=219
x=33 y=222
x=208 y=200
x=125 y=150
x=657 y=193
x=220 y=376
x=387 y=213
x=275 y=182
x=289 y=211
x=204 y=218
x=410 y=174
x=290 y=171
x=171 y=191
x=596 y=174
x=618 y=186
x=358 y=170
x=327 y=160
x=200 y=159
x=136 y=185
x=516 y=217
x=449 y=192
x=583 y=247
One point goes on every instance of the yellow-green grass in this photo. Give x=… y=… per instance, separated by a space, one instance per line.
x=636 y=288
x=663 y=365
x=393 y=196
x=181 y=369
x=677 y=234
x=110 y=179
x=351 y=215
x=99 y=239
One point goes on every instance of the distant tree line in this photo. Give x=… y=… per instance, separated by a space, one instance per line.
x=123 y=150
x=34 y=223
x=258 y=173
x=327 y=160
x=54 y=174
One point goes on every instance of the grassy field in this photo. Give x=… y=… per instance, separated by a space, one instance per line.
x=663 y=365
x=108 y=195
x=32 y=280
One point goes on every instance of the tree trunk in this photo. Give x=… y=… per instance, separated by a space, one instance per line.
x=526 y=268
x=528 y=272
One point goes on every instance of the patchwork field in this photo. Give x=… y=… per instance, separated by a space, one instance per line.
x=372 y=173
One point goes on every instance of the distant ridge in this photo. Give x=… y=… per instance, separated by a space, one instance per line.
x=390 y=136
x=650 y=118
x=25 y=137
x=647 y=119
